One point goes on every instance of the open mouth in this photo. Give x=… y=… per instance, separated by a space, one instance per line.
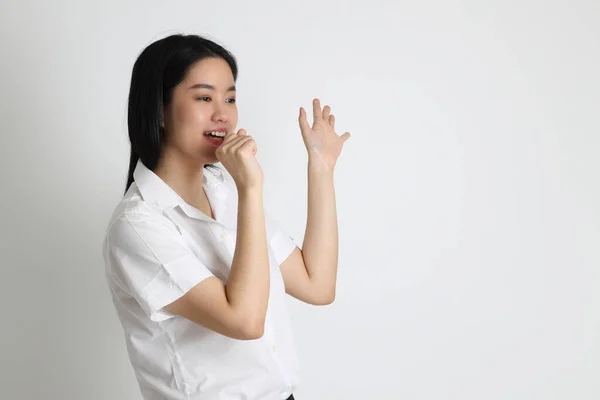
x=215 y=135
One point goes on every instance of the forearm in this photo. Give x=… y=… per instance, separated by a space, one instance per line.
x=248 y=283
x=320 y=246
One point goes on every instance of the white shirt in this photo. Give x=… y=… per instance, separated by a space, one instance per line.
x=157 y=247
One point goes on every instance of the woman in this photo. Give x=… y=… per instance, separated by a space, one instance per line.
x=197 y=270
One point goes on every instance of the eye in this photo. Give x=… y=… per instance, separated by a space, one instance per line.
x=203 y=98
x=231 y=100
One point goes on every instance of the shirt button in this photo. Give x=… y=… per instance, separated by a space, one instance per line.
x=223 y=235
x=274 y=349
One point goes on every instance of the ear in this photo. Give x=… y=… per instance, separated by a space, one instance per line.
x=164 y=116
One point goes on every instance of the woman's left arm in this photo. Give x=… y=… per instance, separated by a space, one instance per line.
x=310 y=274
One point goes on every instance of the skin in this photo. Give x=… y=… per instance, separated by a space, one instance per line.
x=237 y=308
x=191 y=112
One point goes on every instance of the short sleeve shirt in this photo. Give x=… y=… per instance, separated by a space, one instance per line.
x=157 y=247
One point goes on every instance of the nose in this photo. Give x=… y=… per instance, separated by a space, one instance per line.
x=219 y=112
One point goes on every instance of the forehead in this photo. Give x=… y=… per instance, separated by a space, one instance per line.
x=214 y=71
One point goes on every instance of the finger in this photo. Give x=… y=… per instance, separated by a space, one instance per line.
x=236 y=141
x=229 y=137
x=226 y=147
x=233 y=135
x=345 y=136
x=332 y=121
x=326 y=112
x=229 y=141
x=304 y=127
x=251 y=145
x=316 y=110
x=240 y=143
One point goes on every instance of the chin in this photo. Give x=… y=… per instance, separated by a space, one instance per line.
x=209 y=160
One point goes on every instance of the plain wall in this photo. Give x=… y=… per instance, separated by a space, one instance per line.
x=468 y=195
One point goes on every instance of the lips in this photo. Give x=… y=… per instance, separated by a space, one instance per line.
x=216 y=130
x=217 y=141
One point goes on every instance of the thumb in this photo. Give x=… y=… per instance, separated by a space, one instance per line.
x=345 y=136
x=304 y=127
x=241 y=132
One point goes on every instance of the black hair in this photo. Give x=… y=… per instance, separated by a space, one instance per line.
x=159 y=68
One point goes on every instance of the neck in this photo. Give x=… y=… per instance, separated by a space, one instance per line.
x=183 y=175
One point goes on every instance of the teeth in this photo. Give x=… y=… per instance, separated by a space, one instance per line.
x=219 y=134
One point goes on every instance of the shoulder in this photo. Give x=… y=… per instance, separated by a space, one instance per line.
x=134 y=215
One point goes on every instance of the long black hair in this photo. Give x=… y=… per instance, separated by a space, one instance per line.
x=159 y=68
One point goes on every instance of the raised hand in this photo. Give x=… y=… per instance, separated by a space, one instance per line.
x=321 y=141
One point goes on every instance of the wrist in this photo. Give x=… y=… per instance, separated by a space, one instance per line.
x=250 y=191
x=317 y=165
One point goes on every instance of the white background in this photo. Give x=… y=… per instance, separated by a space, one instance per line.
x=468 y=196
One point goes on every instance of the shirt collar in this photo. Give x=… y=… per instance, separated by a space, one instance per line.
x=154 y=190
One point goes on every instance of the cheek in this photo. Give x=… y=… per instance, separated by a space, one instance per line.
x=188 y=125
x=233 y=118
x=192 y=117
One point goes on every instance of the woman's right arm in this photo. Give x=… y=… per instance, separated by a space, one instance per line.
x=238 y=308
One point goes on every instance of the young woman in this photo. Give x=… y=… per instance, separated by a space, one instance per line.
x=197 y=270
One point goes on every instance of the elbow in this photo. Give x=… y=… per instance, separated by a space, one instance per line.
x=252 y=329
x=328 y=300
x=255 y=333
x=325 y=298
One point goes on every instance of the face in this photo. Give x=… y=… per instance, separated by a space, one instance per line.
x=203 y=102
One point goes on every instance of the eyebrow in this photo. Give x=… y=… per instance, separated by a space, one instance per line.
x=211 y=87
